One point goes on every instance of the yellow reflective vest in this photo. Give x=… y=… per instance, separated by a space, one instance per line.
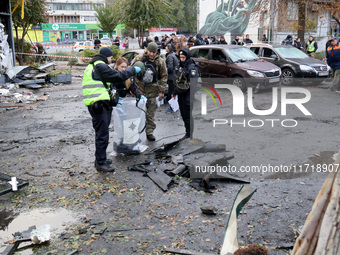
x=93 y=90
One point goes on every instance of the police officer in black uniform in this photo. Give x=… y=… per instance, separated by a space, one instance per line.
x=97 y=97
x=187 y=75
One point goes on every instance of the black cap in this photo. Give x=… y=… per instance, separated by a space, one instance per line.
x=185 y=52
x=106 y=51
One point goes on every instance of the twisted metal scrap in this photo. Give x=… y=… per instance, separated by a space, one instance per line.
x=232 y=17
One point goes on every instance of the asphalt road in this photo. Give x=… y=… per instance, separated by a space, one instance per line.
x=52 y=146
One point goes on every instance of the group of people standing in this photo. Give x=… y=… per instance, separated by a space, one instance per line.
x=148 y=76
x=204 y=40
x=311 y=45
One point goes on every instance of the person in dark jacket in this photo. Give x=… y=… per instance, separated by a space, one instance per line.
x=163 y=42
x=187 y=75
x=206 y=40
x=237 y=41
x=97 y=43
x=214 y=40
x=248 y=40
x=333 y=60
x=222 y=40
x=146 y=43
x=117 y=42
x=297 y=44
x=329 y=42
x=98 y=98
x=288 y=40
x=171 y=64
x=158 y=42
x=311 y=47
x=198 y=40
x=264 y=38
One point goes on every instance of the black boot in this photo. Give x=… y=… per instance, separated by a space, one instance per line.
x=104 y=168
x=151 y=137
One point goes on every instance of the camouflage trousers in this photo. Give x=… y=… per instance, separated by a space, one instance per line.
x=336 y=79
x=151 y=108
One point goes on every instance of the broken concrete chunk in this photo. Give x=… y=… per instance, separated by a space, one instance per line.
x=211 y=210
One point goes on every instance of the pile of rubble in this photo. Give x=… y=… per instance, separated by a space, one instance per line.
x=25 y=77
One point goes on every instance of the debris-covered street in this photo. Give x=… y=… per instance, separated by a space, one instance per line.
x=49 y=142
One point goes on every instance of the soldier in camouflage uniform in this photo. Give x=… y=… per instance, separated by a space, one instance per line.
x=153 y=87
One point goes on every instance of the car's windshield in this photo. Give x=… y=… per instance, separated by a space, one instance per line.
x=241 y=54
x=291 y=52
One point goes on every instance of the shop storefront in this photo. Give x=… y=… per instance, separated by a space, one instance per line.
x=51 y=32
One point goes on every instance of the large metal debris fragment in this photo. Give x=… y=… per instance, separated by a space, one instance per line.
x=161 y=179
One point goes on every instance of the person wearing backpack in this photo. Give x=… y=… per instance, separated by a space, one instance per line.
x=171 y=64
x=152 y=83
x=187 y=75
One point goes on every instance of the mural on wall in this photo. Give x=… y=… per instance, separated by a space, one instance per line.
x=229 y=17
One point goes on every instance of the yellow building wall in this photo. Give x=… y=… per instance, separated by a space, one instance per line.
x=35 y=36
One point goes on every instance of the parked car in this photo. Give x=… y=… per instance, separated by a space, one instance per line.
x=48 y=43
x=80 y=46
x=234 y=64
x=131 y=54
x=106 y=41
x=69 y=41
x=293 y=62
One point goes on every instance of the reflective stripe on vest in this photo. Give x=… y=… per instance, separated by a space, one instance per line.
x=310 y=46
x=93 y=90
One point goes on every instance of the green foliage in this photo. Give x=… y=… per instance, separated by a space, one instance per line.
x=127 y=32
x=144 y=14
x=116 y=52
x=72 y=61
x=90 y=53
x=34 y=14
x=63 y=53
x=107 y=18
x=184 y=15
x=56 y=72
x=26 y=45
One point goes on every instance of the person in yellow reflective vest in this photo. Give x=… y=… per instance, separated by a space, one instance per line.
x=311 y=47
x=98 y=97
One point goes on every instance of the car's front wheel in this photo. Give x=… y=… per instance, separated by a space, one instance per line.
x=287 y=76
x=240 y=82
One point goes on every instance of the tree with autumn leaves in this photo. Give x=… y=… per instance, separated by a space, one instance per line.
x=307 y=12
x=141 y=15
x=34 y=14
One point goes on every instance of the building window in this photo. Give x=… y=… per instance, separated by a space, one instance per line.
x=292 y=12
x=90 y=18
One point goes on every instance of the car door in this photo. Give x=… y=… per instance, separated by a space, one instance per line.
x=201 y=56
x=88 y=45
x=130 y=56
x=272 y=56
x=269 y=55
x=217 y=67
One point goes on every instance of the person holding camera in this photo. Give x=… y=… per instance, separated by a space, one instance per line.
x=99 y=98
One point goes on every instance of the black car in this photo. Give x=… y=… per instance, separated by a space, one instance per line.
x=293 y=62
x=233 y=64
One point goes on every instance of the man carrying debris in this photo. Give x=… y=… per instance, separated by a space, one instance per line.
x=99 y=99
x=152 y=83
